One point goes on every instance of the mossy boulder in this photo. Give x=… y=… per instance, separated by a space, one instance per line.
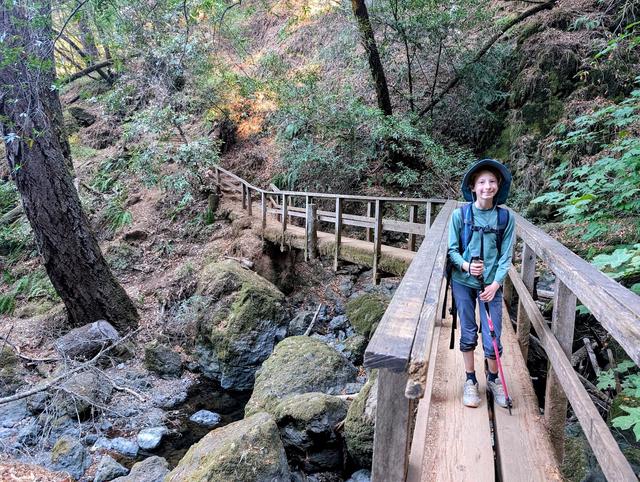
x=247 y=450
x=80 y=393
x=240 y=318
x=354 y=348
x=69 y=455
x=307 y=427
x=360 y=423
x=11 y=371
x=575 y=465
x=298 y=365
x=365 y=313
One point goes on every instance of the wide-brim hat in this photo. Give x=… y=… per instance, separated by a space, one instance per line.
x=505 y=184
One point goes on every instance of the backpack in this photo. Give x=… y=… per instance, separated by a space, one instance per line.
x=463 y=241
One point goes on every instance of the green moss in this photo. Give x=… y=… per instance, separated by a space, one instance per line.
x=365 y=313
x=246 y=450
x=308 y=407
x=299 y=364
x=359 y=427
x=575 y=465
x=60 y=449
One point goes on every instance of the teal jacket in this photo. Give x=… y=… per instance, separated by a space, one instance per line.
x=496 y=264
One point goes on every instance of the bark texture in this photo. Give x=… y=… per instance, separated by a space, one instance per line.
x=375 y=65
x=38 y=154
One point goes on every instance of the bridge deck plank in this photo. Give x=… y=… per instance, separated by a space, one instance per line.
x=523 y=444
x=458 y=441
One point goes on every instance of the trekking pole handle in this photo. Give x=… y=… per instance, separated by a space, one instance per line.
x=480 y=277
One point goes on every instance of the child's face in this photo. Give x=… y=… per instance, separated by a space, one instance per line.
x=486 y=185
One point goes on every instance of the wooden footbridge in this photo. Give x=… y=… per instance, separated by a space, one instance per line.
x=422 y=431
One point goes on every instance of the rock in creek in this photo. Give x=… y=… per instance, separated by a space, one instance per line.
x=360 y=422
x=239 y=320
x=150 y=438
x=298 y=365
x=80 y=392
x=299 y=324
x=365 y=313
x=85 y=341
x=69 y=455
x=247 y=450
x=121 y=445
x=206 y=418
x=162 y=360
x=361 y=475
x=109 y=469
x=307 y=427
x=13 y=413
x=152 y=469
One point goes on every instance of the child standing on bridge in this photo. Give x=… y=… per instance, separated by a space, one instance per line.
x=480 y=241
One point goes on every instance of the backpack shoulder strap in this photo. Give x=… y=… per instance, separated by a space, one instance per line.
x=467 y=227
x=503 y=221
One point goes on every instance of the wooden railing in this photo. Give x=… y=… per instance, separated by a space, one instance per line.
x=616 y=308
x=280 y=204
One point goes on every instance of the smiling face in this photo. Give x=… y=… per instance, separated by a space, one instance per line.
x=485 y=185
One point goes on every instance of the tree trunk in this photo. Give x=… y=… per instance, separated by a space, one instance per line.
x=37 y=149
x=375 y=65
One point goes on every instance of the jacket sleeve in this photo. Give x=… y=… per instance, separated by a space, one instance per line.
x=504 y=262
x=454 y=242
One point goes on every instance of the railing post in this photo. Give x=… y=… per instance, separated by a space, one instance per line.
x=393 y=427
x=249 y=201
x=377 y=239
x=413 y=216
x=369 y=215
x=243 y=189
x=562 y=326
x=428 y=218
x=507 y=286
x=311 y=246
x=263 y=208
x=284 y=219
x=528 y=273
x=339 y=204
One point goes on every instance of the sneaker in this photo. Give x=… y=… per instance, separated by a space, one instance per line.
x=470 y=395
x=497 y=391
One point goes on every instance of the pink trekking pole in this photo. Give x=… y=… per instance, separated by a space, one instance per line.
x=495 y=348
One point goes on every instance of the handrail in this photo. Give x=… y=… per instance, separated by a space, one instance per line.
x=347 y=197
x=614 y=306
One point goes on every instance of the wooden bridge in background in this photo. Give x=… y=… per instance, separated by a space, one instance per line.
x=422 y=431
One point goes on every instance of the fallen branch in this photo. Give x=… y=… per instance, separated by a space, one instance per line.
x=16 y=349
x=56 y=380
x=485 y=48
x=88 y=70
x=244 y=262
x=121 y=388
x=592 y=355
x=12 y=215
x=313 y=321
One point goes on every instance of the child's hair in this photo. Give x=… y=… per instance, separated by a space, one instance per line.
x=492 y=170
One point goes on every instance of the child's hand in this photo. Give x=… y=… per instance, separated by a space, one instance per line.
x=489 y=292
x=476 y=268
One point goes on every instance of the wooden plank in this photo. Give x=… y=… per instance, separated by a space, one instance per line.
x=420 y=435
x=391 y=343
x=338 y=232
x=420 y=352
x=528 y=272
x=614 y=306
x=555 y=402
x=427 y=225
x=377 y=238
x=458 y=442
x=524 y=450
x=370 y=215
x=413 y=216
x=612 y=461
x=393 y=425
